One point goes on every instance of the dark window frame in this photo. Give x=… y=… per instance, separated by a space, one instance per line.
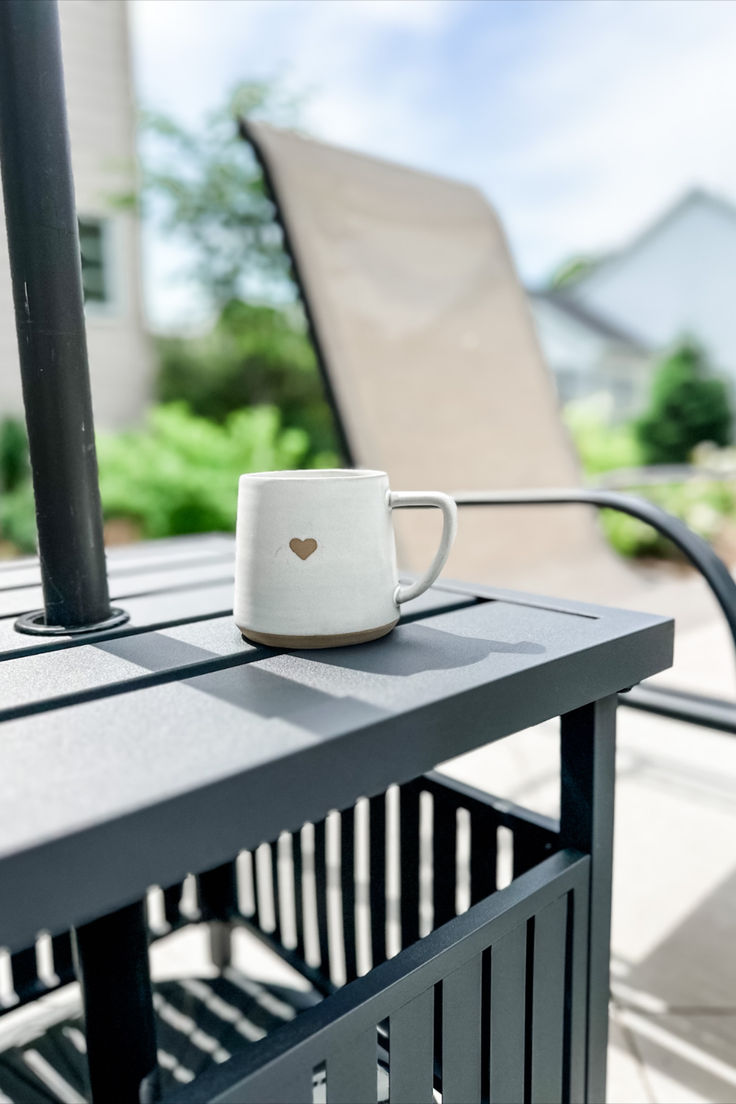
x=94 y=250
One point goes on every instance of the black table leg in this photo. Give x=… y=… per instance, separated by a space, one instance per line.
x=588 y=766
x=218 y=902
x=112 y=957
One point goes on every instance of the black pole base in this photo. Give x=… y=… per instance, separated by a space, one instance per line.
x=34 y=623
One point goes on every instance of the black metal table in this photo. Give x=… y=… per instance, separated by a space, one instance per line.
x=170 y=746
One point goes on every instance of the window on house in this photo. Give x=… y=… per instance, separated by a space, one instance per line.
x=95 y=280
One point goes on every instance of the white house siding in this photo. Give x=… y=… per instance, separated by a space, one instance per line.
x=678 y=278
x=101 y=123
x=586 y=361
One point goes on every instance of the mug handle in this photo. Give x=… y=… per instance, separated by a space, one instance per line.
x=449 y=528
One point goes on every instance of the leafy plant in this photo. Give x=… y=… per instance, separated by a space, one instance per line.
x=571 y=271
x=14 y=463
x=601 y=445
x=253 y=355
x=18 y=517
x=204 y=187
x=703 y=503
x=180 y=473
x=687 y=406
x=17 y=513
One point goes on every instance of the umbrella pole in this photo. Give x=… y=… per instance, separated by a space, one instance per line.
x=43 y=245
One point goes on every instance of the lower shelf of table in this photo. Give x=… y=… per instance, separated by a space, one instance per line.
x=428 y=973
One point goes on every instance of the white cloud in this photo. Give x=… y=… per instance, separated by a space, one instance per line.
x=421 y=15
x=579 y=120
x=626 y=107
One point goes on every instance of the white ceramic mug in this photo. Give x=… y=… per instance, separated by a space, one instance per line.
x=315 y=561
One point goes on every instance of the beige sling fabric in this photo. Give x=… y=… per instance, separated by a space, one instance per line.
x=433 y=360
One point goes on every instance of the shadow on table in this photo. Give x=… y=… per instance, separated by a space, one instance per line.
x=426 y=649
x=245 y=681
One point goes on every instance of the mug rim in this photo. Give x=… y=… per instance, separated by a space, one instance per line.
x=314 y=474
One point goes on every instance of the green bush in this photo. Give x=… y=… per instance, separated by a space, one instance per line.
x=18 y=517
x=601 y=445
x=687 y=407
x=14 y=463
x=253 y=355
x=180 y=473
x=17 y=513
x=701 y=503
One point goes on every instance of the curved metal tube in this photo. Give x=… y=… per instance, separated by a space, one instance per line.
x=698 y=552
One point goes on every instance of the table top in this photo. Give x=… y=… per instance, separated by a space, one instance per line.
x=134 y=757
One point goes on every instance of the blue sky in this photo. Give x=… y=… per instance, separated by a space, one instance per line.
x=579 y=119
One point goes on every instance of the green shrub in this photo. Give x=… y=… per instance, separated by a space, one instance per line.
x=18 y=517
x=687 y=406
x=180 y=473
x=253 y=355
x=601 y=445
x=17 y=513
x=15 y=467
x=701 y=503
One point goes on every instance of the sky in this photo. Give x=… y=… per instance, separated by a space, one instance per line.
x=580 y=120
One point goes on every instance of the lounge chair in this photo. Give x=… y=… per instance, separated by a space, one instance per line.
x=431 y=363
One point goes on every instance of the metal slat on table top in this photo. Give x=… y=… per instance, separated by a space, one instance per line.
x=119 y=570
x=179 y=598
x=122 y=663
x=150 y=611
x=158 y=577
x=154 y=588
x=103 y=797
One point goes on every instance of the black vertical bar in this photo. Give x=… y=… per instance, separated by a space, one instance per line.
x=485 y=1026
x=411 y=1050
x=483 y=848
x=218 y=892
x=274 y=849
x=508 y=1017
x=351 y=1070
x=347 y=885
x=548 y=1003
x=288 y=1079
x=588 y=765
x=409 y=834
x=61 y=950
x=576 y=996
x=529 y=849
x=43 y=245
x=256 y=917
x=297 y=863
x=444 y=873
x=112 y=955
x=320 y=888
x=377 y=881
x=24 y=967
x=172 y=900
x=461 y=1034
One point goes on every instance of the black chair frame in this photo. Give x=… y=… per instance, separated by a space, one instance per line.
x=680 y=705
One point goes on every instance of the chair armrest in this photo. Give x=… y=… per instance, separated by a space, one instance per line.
x=656 y=475
x=698 y=552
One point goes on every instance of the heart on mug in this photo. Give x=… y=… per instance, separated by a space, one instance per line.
x=303 y=548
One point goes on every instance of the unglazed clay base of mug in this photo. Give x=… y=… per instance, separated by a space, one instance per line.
x=338 y=640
